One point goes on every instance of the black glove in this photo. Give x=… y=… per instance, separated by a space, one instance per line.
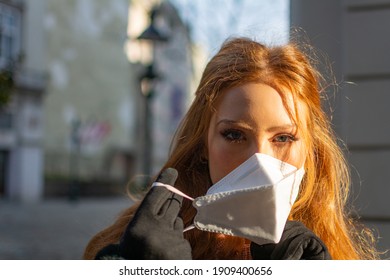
x=156 y=231
x=297 y=243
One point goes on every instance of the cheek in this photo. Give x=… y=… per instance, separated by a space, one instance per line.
x=221 y=161
x=218 y=162
x=297 y=155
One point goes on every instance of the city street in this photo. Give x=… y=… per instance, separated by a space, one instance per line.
x=55 y=229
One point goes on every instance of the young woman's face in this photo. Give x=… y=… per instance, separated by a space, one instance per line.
x=252 y=119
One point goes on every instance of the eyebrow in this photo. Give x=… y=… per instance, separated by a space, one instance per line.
x=282 y=127
x=269 y=129
x=241 y=123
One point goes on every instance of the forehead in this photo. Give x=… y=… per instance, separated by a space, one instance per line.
x=257 y=101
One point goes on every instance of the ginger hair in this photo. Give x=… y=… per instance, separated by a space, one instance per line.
x=322 y=200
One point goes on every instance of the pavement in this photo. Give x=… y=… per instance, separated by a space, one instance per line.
x=54 y=229
x=59 y=229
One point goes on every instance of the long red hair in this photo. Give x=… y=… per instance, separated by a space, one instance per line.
x=321 y=203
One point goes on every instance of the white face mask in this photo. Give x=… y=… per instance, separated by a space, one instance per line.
x=253 y=201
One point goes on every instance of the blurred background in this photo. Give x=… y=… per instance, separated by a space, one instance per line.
x=92 y=91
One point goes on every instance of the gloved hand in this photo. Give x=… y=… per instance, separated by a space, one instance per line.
x=156 y=231
x=297 y=243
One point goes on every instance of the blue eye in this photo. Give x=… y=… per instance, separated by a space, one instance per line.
x=233 y=135
x=284 y=138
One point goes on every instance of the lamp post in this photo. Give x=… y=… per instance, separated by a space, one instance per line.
x=74 y=160
x=152 y=35
x=147 y=81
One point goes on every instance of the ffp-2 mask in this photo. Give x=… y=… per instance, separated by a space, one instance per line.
x=253 y=201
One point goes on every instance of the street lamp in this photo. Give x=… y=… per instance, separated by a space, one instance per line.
x=152 y=35
x=152 y=32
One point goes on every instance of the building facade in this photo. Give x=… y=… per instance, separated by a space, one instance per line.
x=77 y=109
x=22 y=53
x=354 y=35
x=95 y=106
x=90 y=119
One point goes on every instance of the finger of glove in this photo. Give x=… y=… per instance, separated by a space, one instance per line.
x=293 y=228
x=286 y=251
x=314 y=249
x=178 y=225
x=157 y=196
x=145 y=219
x=170 y=209
x=291 y=245
x=303 y=246
x=152 y=203
x=299 y=242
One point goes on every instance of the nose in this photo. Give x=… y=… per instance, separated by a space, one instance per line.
x=263 y=147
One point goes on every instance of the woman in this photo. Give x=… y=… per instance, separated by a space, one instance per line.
x=257 y=99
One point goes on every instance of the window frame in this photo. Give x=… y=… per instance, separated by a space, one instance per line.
x=10 y=28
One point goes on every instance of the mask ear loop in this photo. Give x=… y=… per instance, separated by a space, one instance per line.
x=176 y=191
x=172 y=189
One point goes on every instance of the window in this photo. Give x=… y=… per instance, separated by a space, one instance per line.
x=10 y=34
x=6 y=120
